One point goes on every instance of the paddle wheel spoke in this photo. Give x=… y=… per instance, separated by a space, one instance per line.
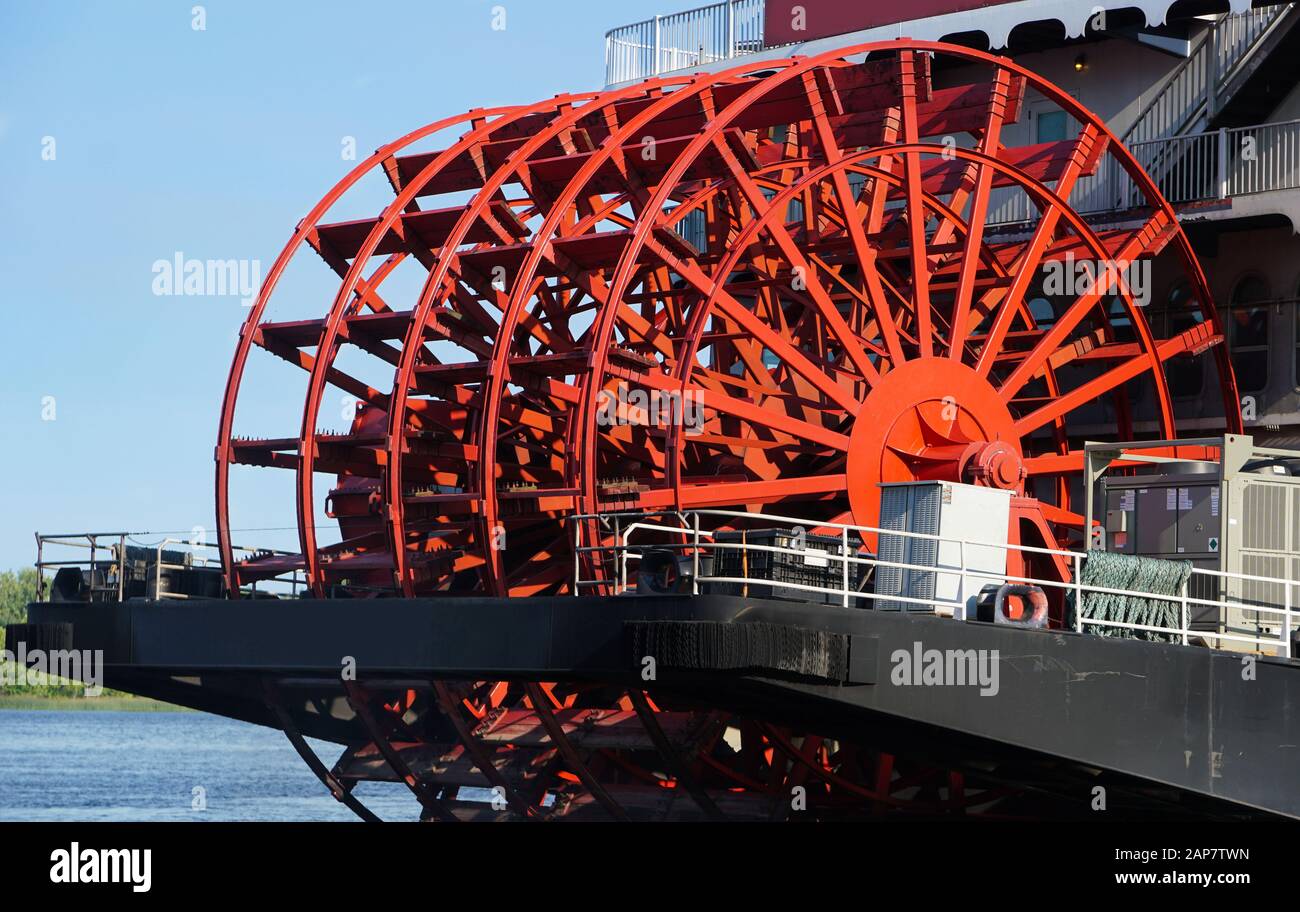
x=770 y=289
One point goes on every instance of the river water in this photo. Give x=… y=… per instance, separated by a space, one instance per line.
x=142 y=766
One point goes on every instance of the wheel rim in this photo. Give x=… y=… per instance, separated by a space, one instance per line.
x=884 y=278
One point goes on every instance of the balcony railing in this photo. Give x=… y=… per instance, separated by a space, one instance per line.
x=114 y=566
x=1192 y=92
x=734 y=28
x=1192 y=167
x=683 y=40
x=1199 y=167
x=694 y=536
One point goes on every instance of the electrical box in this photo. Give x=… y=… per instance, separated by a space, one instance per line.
x=953 y=513
x=1238 y=513
x=1172 y=515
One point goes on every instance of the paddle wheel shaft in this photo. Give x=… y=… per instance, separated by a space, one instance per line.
x=805 y=258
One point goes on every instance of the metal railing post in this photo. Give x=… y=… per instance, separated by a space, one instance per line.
x=844 y=560
x=695 y=567
x=1223 y=163
x=1078 y=592
x=1212 y=80
x=731 y=29
x=1186 y=621
x=121 y=567
x=655 y=66
x=620 y=558
x=1286 y=625
x=40 y=568
x=961 y=584
x=577 y=555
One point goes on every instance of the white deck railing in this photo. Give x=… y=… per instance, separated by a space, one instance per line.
x=681 y=41
x=1190 y=94
x=104 y=554
x=697 y=540
x=1196 y=168
x=734 y=28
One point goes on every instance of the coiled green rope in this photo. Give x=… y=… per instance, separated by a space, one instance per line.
x=1138 y=574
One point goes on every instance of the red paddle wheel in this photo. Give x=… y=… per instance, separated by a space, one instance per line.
x=810 y=257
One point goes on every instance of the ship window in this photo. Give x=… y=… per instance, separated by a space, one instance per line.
x=1120 y=325
x=1050 y=126
x=1185 y=374
x=1248 y=332
x=1042 y=312
x=1295 y=307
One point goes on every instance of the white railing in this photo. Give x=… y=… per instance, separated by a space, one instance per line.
x=1261 y=158
x=681 y=41
x=103 y=557
x=1225 y=163
x=1199 y=167
x=698 y=540
x=1236 y=39
x=734 y=28
x=1192 y=91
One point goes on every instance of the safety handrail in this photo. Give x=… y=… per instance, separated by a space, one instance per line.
x=113 y=545
x=1192 y=88
x=690 y=527
x=695 y=37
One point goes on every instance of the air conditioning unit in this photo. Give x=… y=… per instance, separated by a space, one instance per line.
x=1245 y=521
x=950 y=513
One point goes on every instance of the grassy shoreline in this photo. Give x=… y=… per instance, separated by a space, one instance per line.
x=113 y=703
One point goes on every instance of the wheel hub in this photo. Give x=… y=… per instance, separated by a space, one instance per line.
x=930 y=419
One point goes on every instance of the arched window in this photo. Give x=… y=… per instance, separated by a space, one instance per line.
x=1295 y=306
x=1186 y=375
x=1248 y=333
x=1120 y=324
x=1043 y=313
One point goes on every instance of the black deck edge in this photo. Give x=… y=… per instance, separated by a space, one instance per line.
x=1218 y=724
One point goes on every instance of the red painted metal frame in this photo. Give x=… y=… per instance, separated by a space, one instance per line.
x=652 y=216
x=255 y=314
x=862 y=351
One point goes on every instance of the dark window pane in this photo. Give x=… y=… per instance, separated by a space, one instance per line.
x=1041 y=310
x=1249 y=326
x=1120 y=323
x=1250 y=290
x=1251 y=368
x=1186 y=375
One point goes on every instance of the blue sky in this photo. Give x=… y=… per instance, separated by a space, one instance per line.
x=212 y=143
